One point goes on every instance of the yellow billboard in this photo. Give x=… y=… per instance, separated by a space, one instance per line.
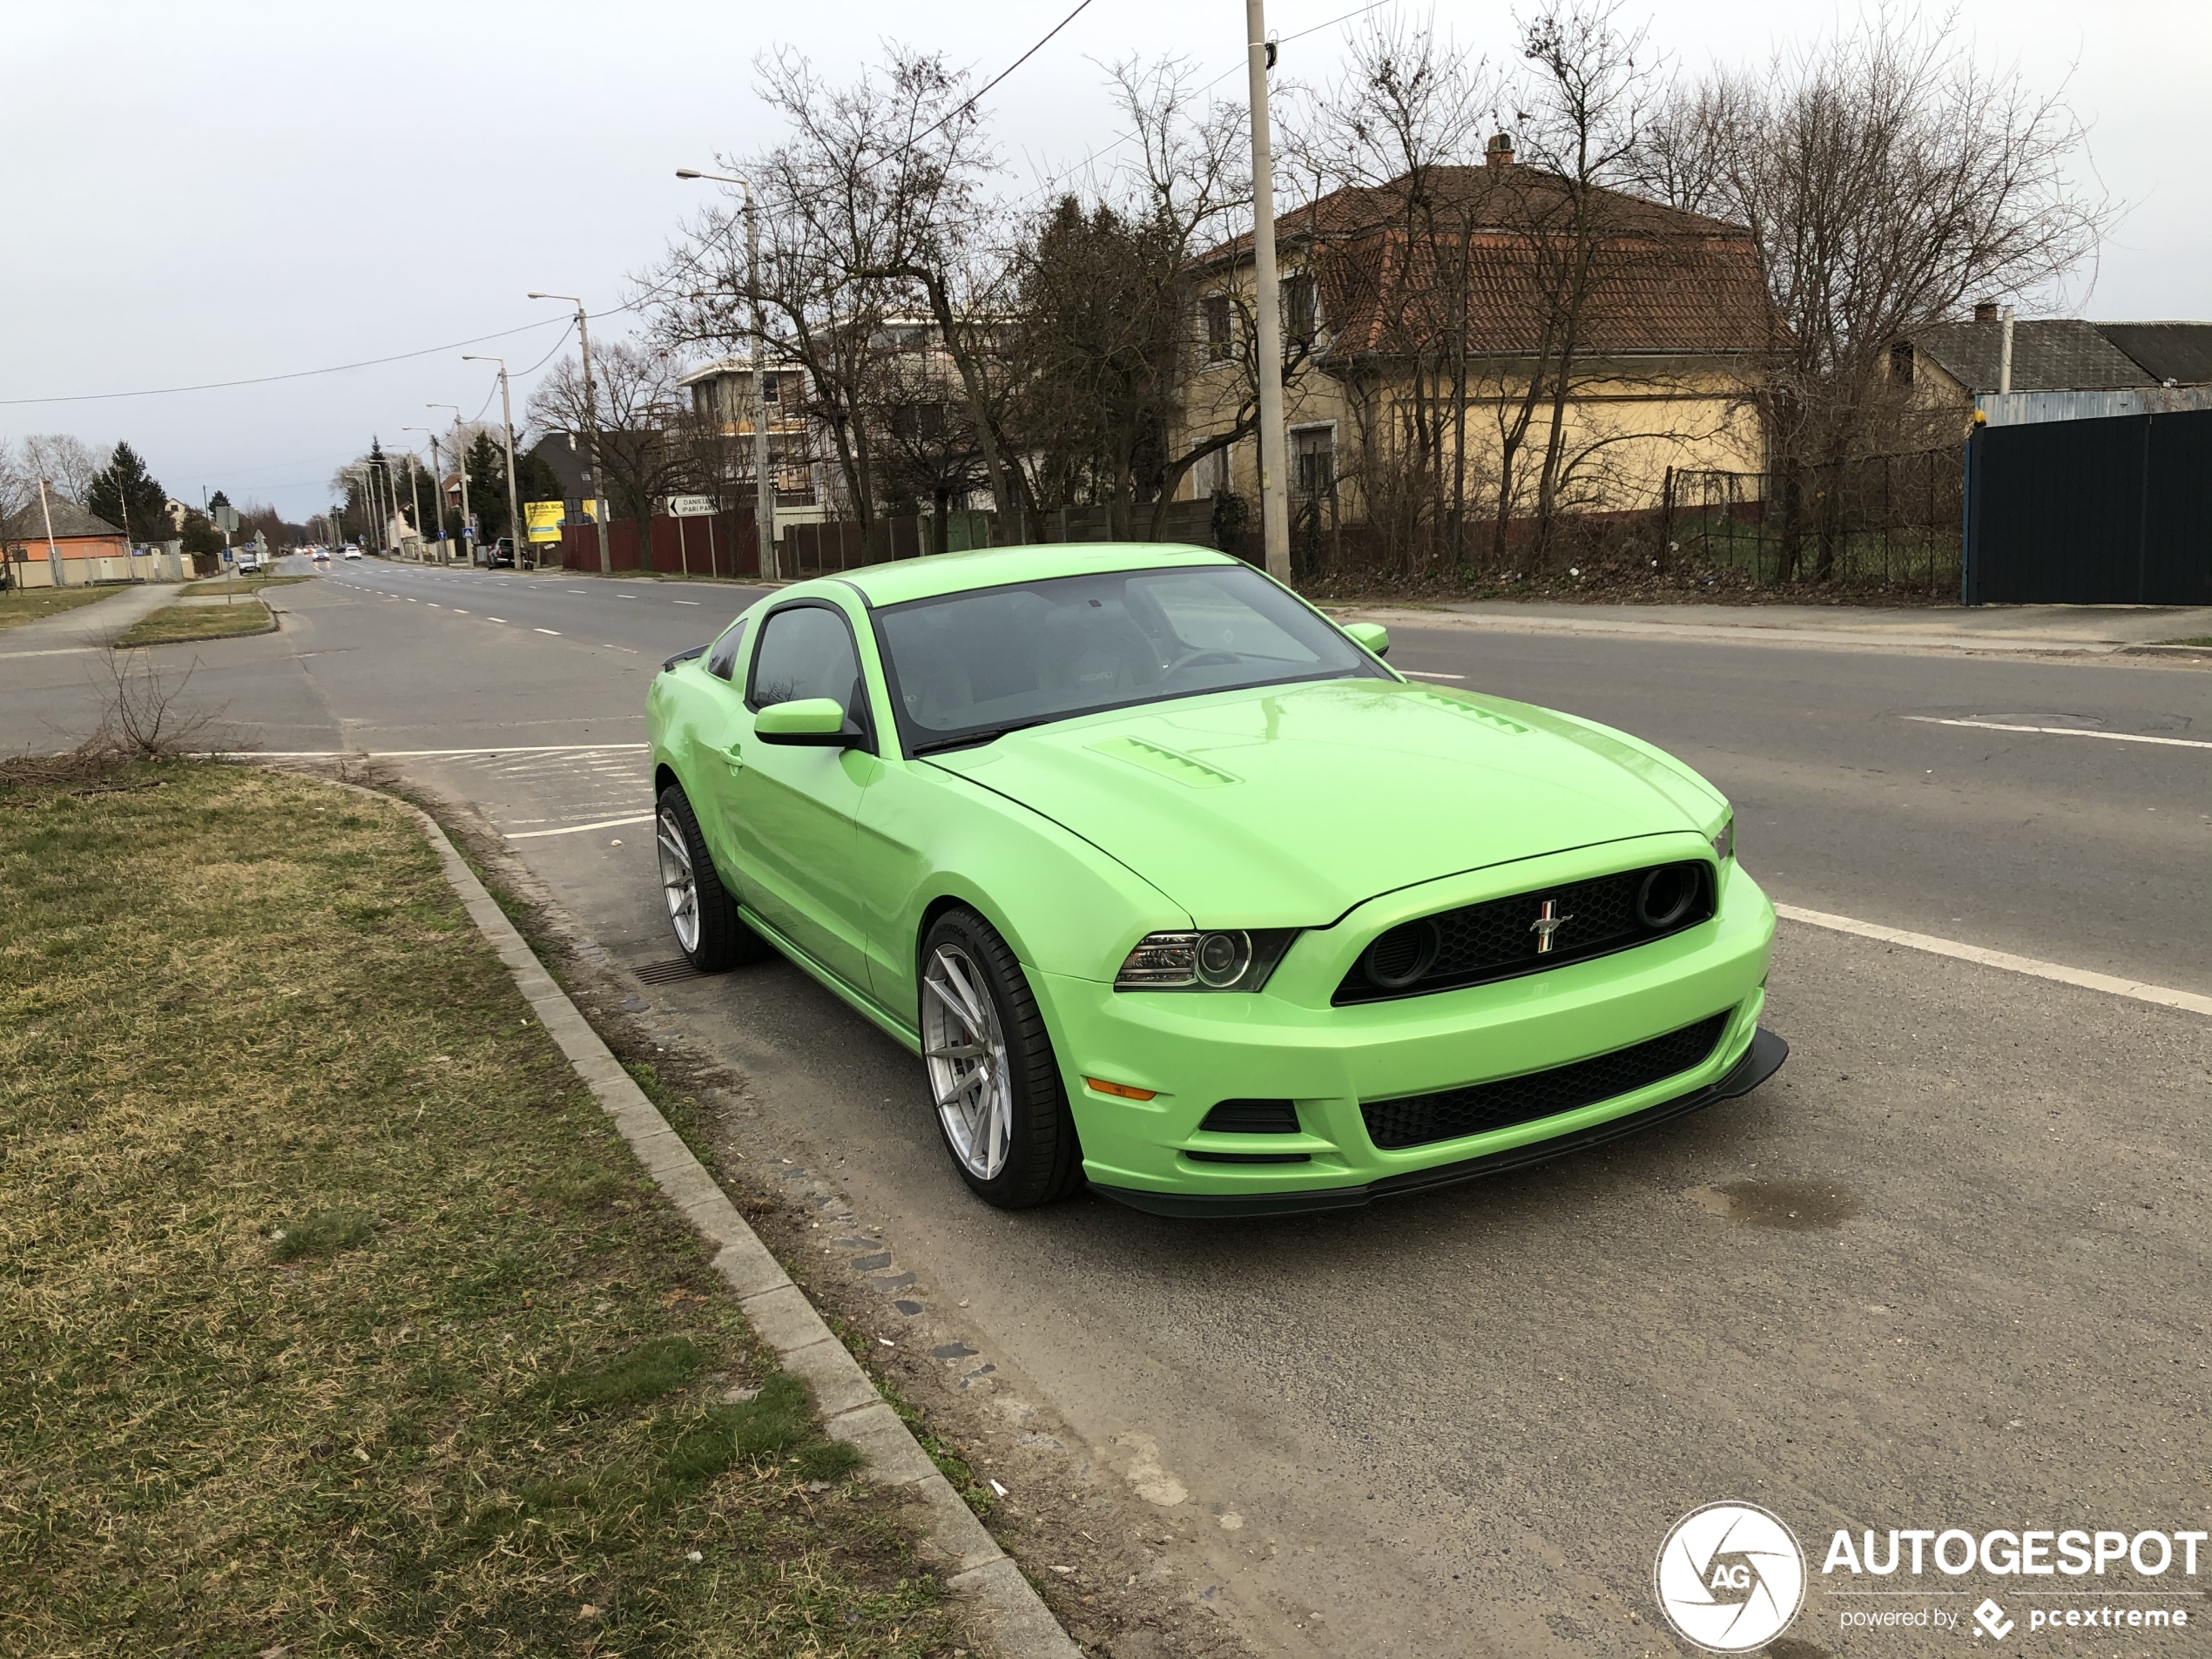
x=544 y=518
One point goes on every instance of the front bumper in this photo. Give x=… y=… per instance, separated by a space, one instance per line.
x=1760 y=1061
x=1195 y=1049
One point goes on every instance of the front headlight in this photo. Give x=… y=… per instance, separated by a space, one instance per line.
x=1220 y=959
x=1724 y=843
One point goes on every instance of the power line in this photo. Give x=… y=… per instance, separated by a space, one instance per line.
x=976 y=97
x=297 y=375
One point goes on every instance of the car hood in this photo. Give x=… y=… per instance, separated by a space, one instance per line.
x=1288 y=806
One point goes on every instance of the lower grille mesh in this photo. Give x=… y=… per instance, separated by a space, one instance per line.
x=1416 y=1120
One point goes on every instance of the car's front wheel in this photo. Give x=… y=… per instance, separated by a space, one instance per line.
x=993 y=1078
x=702 y=913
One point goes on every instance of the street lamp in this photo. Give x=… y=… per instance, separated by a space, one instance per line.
x=461 y=462
x=764 y=488
x=507 y=419
x=592 y=426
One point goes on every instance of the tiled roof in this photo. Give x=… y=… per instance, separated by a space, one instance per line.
x=2052 y=355
x=69 y=519
x=1663 y=281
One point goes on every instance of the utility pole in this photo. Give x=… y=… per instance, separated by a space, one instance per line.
x=763 y=484
x=53 y=553
x=122 y=509
x=591 y=427
x=1274 y=491
x=437 y=489
x=461 y=462
x=507 y=421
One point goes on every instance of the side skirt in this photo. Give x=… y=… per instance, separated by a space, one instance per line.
x=858 y=1000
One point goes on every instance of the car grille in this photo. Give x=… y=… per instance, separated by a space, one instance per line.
x=1499 y=938
x=1416 y=1120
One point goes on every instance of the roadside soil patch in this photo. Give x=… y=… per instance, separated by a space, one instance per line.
x=172 y=624
x=1612 y=580
x=335 y=1316
x=20 y=605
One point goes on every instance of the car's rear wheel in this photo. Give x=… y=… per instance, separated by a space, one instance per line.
x=701 y=911
x=993 y=1078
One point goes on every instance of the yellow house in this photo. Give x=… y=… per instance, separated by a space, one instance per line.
x=1465 y=342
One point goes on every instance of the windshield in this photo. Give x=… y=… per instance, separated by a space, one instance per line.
x=966 y=665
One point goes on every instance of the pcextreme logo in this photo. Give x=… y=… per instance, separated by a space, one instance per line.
x=1730 y=1577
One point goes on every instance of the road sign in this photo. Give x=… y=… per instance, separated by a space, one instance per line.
x=691 y=506
x=227 y=517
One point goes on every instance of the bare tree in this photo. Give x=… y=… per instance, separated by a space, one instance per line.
x=644 y=447
x=67 y=464
x=875 y=184
x=1888 y=177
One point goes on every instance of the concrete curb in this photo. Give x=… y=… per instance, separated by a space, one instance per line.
x=1019 y=1625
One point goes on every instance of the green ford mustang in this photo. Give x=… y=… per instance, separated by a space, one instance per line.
x=1177 y=889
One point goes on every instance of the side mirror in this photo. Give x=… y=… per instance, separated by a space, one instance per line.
x=1373 y=635
x=810 y=722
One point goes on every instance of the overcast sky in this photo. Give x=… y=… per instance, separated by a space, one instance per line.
x=222 y=189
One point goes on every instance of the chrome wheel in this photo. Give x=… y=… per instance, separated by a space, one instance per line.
x=965 y=1050
x=679 y=882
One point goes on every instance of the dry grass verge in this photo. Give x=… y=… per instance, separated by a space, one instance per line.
x=20 y=605
x=174 y=623
x=336 y=1317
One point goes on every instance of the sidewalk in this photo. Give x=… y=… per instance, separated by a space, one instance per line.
x=89 y=627
x=2084 y=630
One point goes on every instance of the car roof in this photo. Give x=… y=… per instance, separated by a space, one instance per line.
x=943 y=573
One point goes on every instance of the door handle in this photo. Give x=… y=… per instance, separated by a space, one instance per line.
x=734 y=757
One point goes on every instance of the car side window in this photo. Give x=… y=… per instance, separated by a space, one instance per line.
x=807 y=651
x=722 y=658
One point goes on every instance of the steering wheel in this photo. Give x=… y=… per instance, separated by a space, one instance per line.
x=1201 y=655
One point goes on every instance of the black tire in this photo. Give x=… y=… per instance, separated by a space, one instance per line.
x=722 y=940
x=1043 y=1157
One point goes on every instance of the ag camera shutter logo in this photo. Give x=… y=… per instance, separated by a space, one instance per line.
x=1730 y=1577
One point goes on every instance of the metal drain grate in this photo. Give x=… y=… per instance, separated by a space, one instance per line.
x=667 y=973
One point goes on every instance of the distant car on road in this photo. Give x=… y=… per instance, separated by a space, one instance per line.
x=501 y=556
x=352 y=552
x=249 y=561
x=1172 y=885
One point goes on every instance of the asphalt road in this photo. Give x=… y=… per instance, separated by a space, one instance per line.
x=1947 y=1270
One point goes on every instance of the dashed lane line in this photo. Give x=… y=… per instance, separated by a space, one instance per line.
x=2065 y=732
x=2112 y=985
x=555 y=632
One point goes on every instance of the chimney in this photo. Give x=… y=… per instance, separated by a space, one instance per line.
x=1986 y=311
x=1499 y=151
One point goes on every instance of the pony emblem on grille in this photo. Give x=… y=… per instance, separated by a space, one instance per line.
x=1548 y=921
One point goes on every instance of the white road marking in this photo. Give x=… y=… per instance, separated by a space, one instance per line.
x=686 y=601
x=2066 y=731
x=1430 y=674
x=2135 y=990
x=424 y=754
x=495 y=619
x=577 y=829
x=458 y=612
x=555 y=632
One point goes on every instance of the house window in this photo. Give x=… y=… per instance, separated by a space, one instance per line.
x=1215 y=309
x=1298 y=316
x=1213 y=474
x=1314 y=460
x=1901 y=362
